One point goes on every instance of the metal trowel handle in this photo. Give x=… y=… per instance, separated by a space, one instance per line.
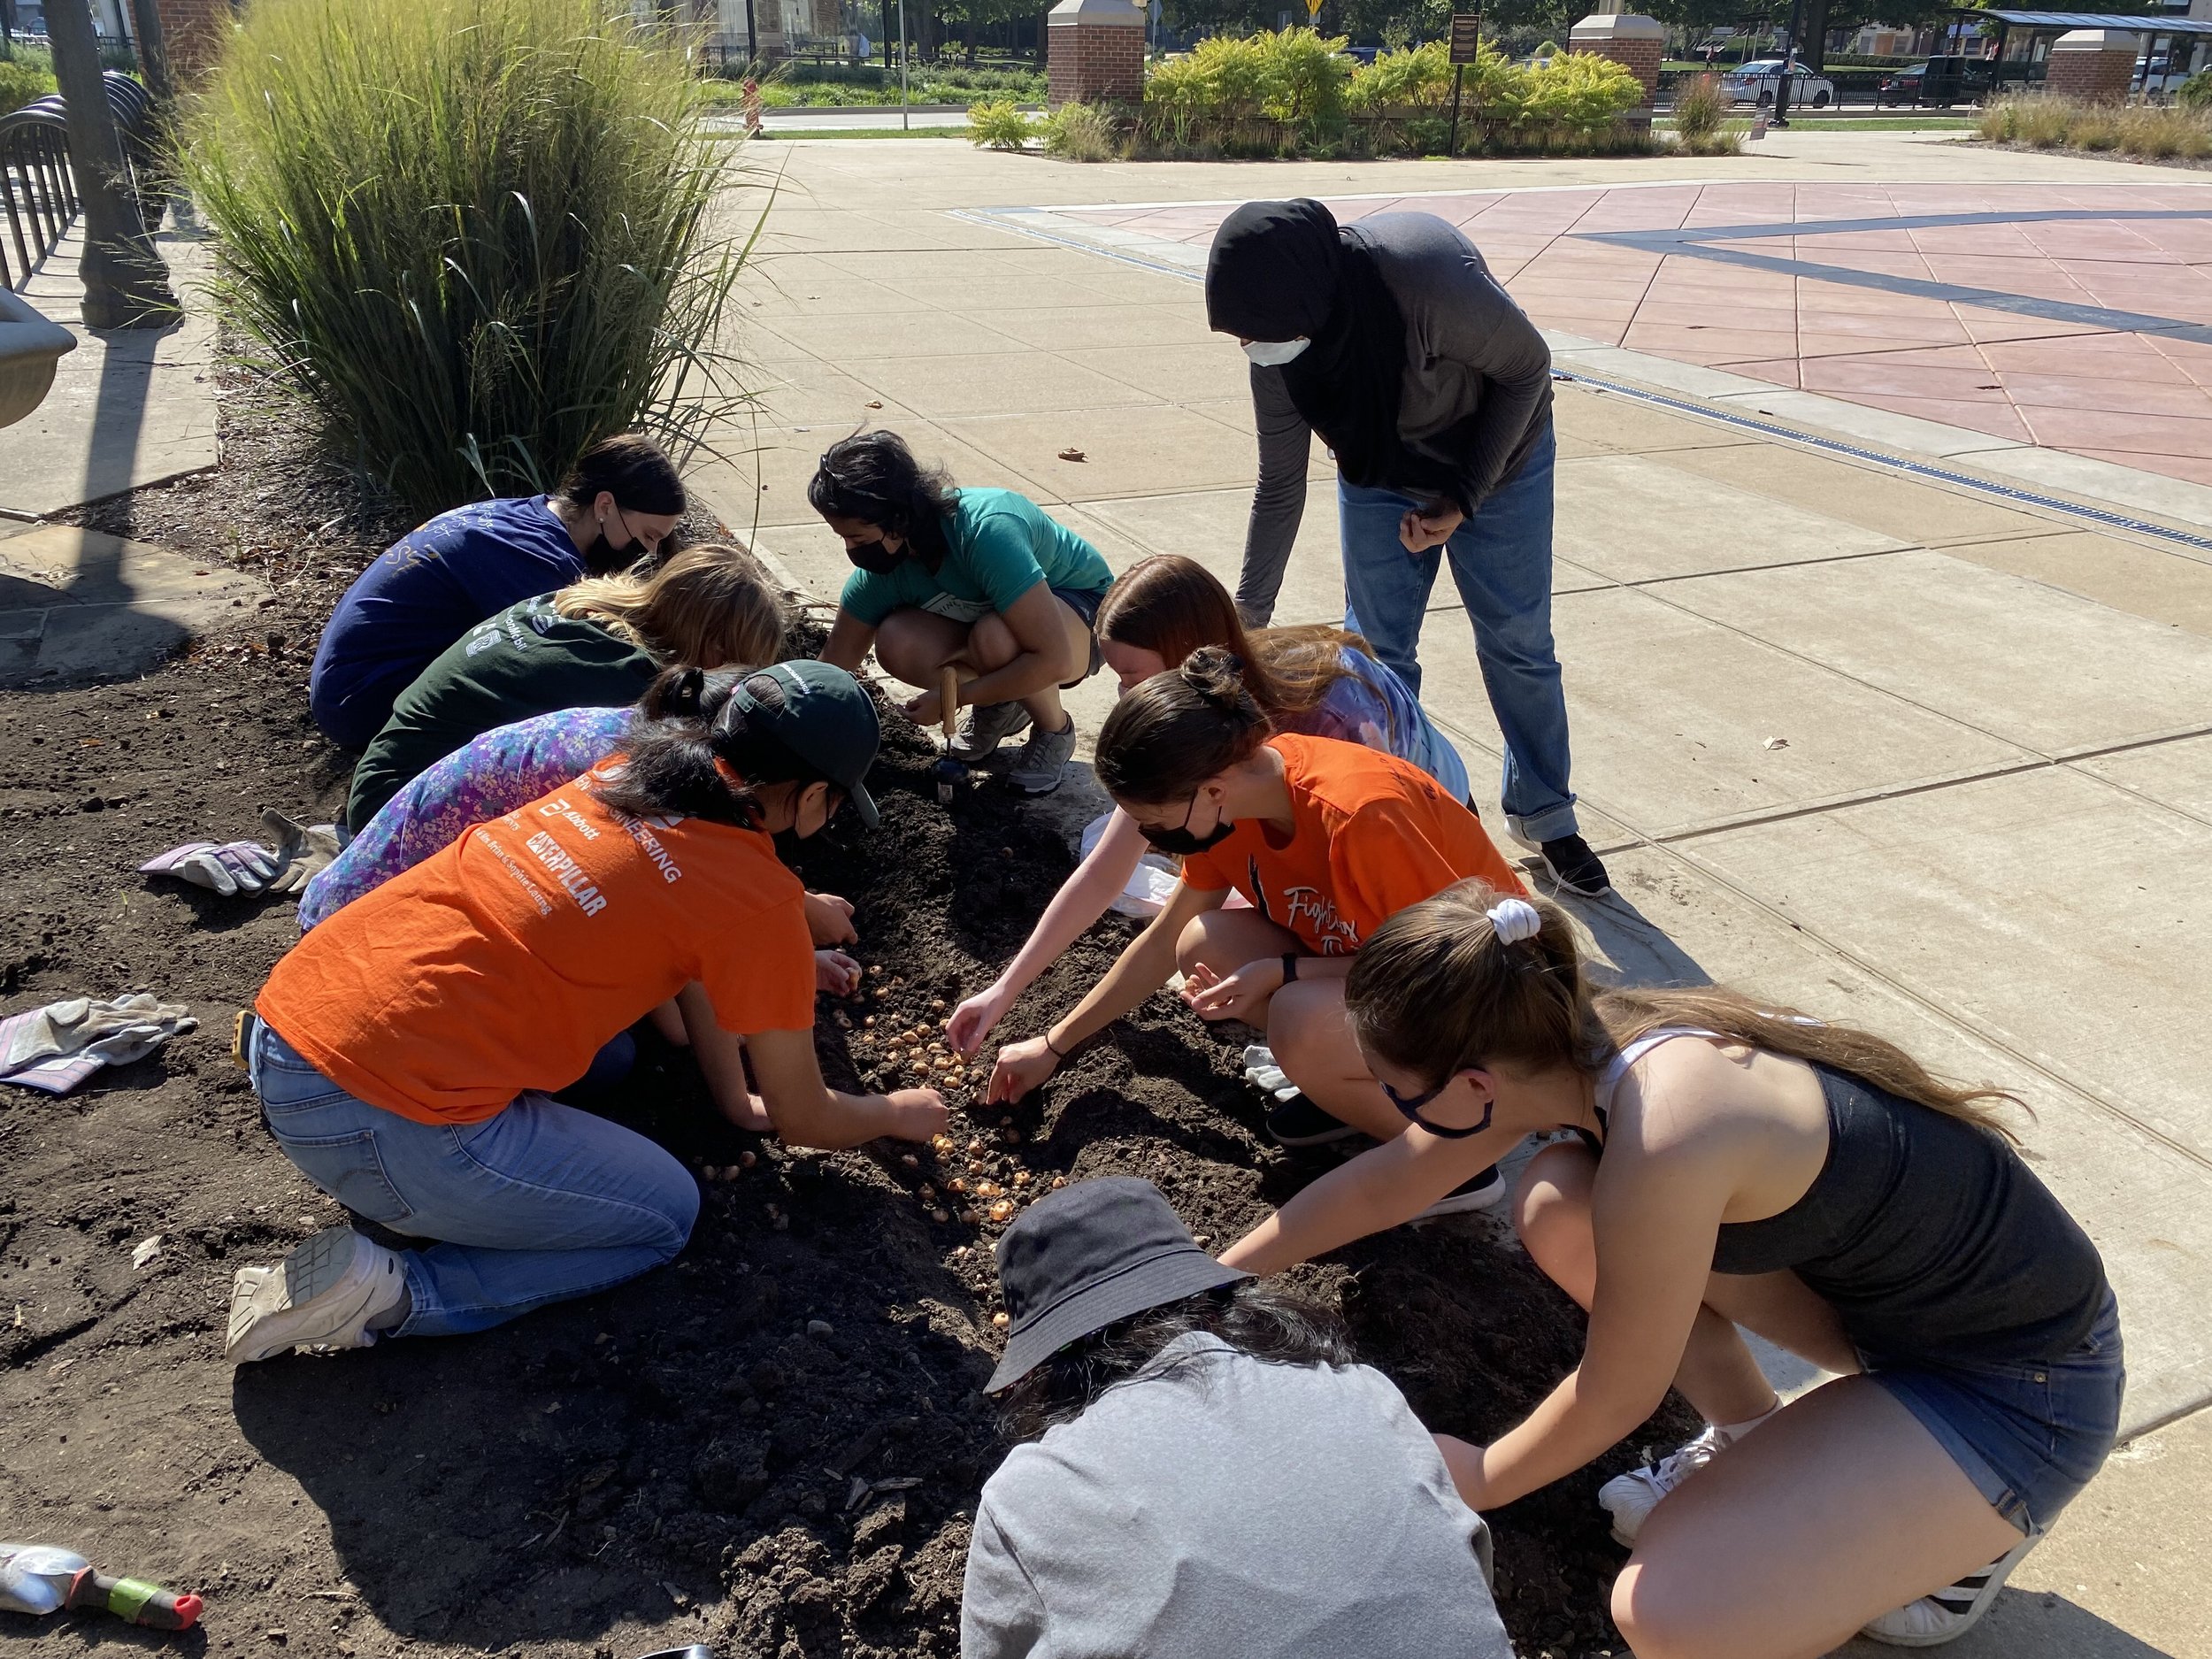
x=948 y=701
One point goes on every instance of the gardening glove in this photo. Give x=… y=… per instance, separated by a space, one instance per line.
x=59 y=1045
x=232 y=867
x=302 y=851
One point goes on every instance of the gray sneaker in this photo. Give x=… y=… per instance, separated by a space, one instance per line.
x=1043 y=760
x=981 y=730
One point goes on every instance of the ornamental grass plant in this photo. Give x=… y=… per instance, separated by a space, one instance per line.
x=2150 y=132
x=479 y=236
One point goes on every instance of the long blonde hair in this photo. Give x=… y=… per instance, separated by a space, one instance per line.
x=1433 y=990
x=708 y=607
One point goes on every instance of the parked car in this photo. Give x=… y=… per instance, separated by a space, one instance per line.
x=1940 y=81
x=2156 y=78
x=1758 y=80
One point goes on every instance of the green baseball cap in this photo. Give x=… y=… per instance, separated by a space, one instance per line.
x=820 y=714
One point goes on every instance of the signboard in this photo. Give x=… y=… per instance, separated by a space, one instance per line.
x=1466 y=35
x=1313 y=9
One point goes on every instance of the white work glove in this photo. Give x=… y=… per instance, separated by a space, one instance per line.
x=302 y=851
x=115 y=1031
x=230 y=868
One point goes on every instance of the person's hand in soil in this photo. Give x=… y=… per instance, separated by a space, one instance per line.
x=917 y=1114
x=924 y=709
x=1421 y=531
x=973 y=1020
x=830 y=919
x=835 y=972
x=1020 y=1067
x=1240 y=995
x=749 y=1114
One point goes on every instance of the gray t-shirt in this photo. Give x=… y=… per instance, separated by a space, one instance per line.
x=1218 y=1507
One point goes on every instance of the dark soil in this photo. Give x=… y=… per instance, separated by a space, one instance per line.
x=775 y=1445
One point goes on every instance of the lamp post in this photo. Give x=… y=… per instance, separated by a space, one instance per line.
x=906 y=122
x=126 y=284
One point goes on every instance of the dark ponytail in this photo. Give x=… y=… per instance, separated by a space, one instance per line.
x=685 y=723
x=874 y=476
x=1179 y=729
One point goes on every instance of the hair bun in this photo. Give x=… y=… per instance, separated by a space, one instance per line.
x=1216 y=674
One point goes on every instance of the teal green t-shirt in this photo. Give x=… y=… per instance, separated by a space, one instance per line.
x=1003 y=545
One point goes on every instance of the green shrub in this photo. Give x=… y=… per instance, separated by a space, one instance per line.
x=476 y=234
x=2196 y=92
x=998 y=126
x=1578 y=93
x=1416 y=78
x=1999 y=122
x=27 y=75
x=1243 y=90
x=1081 y=132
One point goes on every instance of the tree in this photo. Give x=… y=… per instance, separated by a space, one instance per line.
x=126 y=286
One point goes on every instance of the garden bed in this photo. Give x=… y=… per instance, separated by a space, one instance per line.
x=775 y=1445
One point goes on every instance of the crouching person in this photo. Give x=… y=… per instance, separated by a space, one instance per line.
x=1203 y=1471
x=402 y=1049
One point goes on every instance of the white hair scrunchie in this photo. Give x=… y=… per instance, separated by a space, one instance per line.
x=1514 y=920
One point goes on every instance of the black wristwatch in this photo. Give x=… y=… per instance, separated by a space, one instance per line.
x=1290 y=966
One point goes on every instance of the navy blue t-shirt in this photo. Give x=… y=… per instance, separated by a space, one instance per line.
x=426 y=591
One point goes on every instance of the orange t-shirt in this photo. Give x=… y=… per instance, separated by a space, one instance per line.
x=503 y=963
x=1371 y=835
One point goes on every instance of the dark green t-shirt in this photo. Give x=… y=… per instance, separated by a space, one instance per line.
x=527 y=660
x=1003 y=544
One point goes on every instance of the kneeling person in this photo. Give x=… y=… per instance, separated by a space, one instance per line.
x=1203 y=1470
x=402 y=1050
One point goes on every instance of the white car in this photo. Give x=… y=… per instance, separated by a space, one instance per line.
x=1757 y=81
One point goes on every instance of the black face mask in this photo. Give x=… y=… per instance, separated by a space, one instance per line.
x=1181 y=839
x=874 y=557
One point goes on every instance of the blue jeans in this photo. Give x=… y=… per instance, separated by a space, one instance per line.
x=538 y=1204
x=1501 y=565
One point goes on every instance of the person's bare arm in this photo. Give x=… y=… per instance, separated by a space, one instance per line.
x=807 y=1112
x=1141 y=969
x=849 y=638
x=1662 y=1189
x=1082 y=899
x=1379 y=1189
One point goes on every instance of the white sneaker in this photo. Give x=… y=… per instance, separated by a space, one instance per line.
x=1629 y=1498
x=323 y=1295
x=1485 y=1191
x=1950 y=1612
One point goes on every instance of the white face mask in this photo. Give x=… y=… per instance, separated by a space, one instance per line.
x=1273 y=354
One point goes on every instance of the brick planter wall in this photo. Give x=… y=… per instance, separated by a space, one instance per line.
x=1638 y=43
x=1096 y=52
x=2096 y=65
x=192 y=33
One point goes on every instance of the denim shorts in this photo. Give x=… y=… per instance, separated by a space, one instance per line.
x=1085 y=604
x=2030 y=1436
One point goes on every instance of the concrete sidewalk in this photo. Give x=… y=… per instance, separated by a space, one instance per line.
x=1897 y=748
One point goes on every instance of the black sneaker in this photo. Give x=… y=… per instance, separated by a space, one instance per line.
x=1570 y=862
x=1298 y=1122
x=1481 y=1192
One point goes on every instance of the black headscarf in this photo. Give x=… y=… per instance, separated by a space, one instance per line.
x=1288 y=271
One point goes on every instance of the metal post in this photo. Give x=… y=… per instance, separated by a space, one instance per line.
x=153 y=53
x=1451 y=145
x=1789 y=56
x=126 y=286
x=906 y=122
x=752 y=40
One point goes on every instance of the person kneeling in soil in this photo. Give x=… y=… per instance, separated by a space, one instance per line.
x=401 y=1049
x=1739 y=1163
x=509 y=766
x=599 y=642
x=1314 y=681
x=1325 y=839
x=1204 y=1469
x=978 y=580
x=619 y=504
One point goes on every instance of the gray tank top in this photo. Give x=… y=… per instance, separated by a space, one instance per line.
x=1927 y=1233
